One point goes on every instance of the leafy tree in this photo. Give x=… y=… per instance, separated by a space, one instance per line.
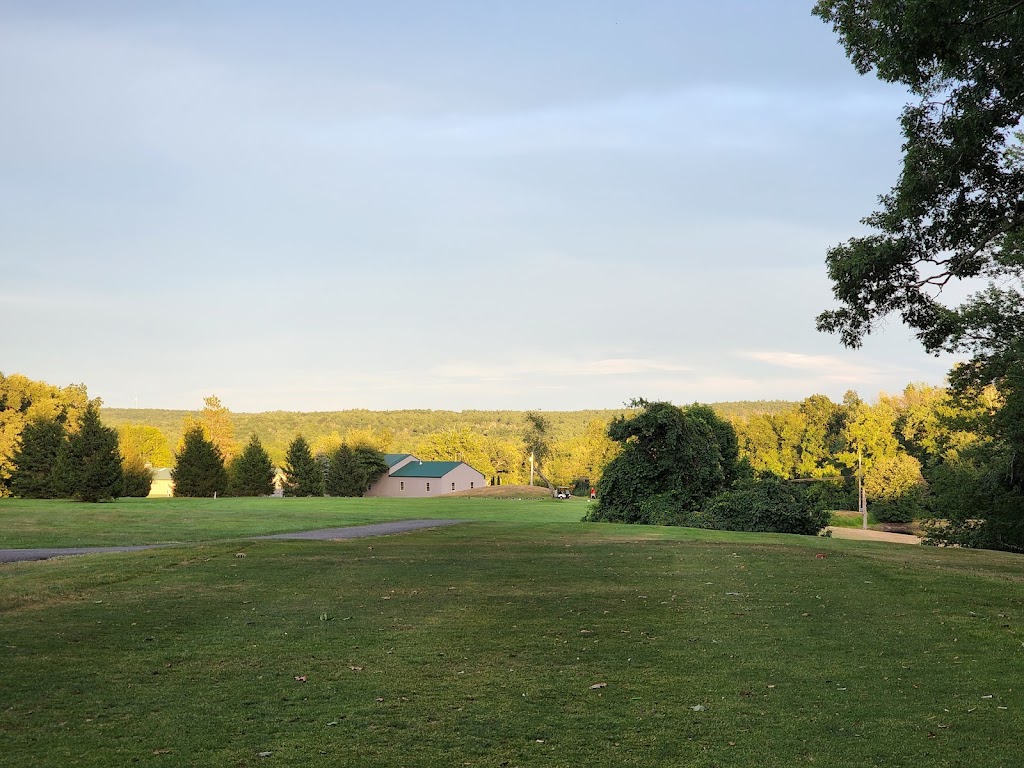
x=145 y=443
x=199 y=467
x=138 y=479
x=251 y=473
x=955 y=216
x=215 y=421
x=303 y=475
x=88 y=466
x=461 y=444
x=670 y=462
x=538 y=444
x=22 y=401
x=35 y=459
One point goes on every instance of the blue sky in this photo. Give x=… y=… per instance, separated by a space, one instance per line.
x=328 y=205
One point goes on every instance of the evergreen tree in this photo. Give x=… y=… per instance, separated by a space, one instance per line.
x=199 y=469
x=251 y=473
x=88 y=464
x=34 y=460
x=370 y=464
x=303 y=476
x=345 y=476
x=138 y=479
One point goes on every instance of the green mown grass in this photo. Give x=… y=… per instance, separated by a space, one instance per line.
x=478 y=645
x=34 y=523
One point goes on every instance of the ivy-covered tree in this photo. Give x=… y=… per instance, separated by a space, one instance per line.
x=670 y=463
x=199 y=467
x=251 y=473
x=88 y=464
x=35 y=459
x=303 y=475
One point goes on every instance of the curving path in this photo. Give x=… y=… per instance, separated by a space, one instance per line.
x=323 y=534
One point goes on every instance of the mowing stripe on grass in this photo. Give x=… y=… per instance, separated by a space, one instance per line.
x=362 y=531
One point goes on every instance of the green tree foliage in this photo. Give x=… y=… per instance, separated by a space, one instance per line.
x=138 y=479
x=670 y=462
x=145 y=443
x=303 y=475
x=370 y=464
x=23 y=400
x=88 y=464
x=351 y=471
x=199 y=467
x=35 y=459
x=216 y=422
x=798 y=442
x=956 y=215
x=462 y=444
x=537 y=439
x=765 y=505
x=341 y=478
x=251 y=473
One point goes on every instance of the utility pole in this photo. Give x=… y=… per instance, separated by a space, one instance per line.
x=531 y=468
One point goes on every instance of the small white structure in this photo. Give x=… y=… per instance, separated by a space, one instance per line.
x=411 y=478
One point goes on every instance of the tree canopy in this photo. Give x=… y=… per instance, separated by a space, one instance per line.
x=955 y=217
x=957 y=210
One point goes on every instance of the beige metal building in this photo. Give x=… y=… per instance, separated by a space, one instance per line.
x=411 y=478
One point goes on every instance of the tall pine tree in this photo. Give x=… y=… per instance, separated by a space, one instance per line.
x=199 y=469
x=35 y=459
x=303 y=475
x=343 y=475
x=251 y=473
x=88 y=464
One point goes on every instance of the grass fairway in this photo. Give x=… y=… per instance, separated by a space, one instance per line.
x=153 y=521
x=479 y=645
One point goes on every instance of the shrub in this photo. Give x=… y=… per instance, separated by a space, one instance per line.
x=769 y=505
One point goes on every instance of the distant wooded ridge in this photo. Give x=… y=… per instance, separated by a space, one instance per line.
x=277 y=428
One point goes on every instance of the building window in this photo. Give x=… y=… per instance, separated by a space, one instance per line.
x=402 y=483
x=453 y=486
x=428 y=487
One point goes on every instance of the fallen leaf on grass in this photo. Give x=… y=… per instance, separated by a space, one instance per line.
x=595 y=686
x=355 y=668
x=300 y=678
x=698 y=708
x=264 y=754
x=161 y=751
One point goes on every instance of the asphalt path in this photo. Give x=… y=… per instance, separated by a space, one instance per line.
x=323 y=534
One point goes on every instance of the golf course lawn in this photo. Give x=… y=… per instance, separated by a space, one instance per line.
x=520 y=638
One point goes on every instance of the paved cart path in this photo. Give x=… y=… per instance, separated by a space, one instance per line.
x=323 y=534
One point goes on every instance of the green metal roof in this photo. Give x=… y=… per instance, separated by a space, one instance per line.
x=394 y=458
x=426 y=469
